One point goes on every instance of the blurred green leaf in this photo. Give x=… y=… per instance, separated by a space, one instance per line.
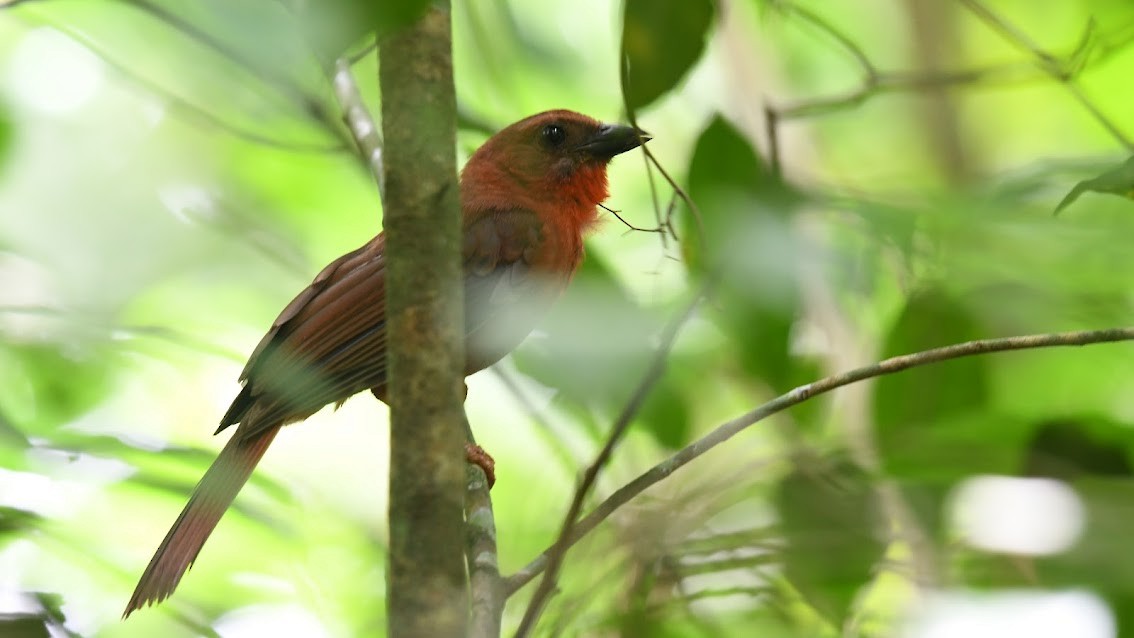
x=597 y=341
x=932 y=428
x=748 y=240
x=661 y=40
x=17 y=521
x=1117 y=181
x=23 y=626
x=64 y=384
x=666 y=411
x=832 y=525
x=6 y=134
x=1067 y=449
x=332 y=26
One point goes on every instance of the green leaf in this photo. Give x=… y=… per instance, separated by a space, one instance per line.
x=661 y=40
x=595 y=344
x=5 y=133
x=831 y=522
x=17 y=522
x=23 y=626
x=745 y=212
x=931 y=318
x=933 y=423
x=1117 y=181
x=666 y=412
x=334 y=25
x=63 y=385
x=1067 y=449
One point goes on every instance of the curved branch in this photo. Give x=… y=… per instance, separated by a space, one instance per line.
x=798 y=395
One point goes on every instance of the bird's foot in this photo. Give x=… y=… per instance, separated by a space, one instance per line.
x=478 y=457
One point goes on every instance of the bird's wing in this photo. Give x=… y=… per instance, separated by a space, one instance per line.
x=327 y=344
x=512 y=276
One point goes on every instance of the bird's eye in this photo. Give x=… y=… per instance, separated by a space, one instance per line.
x=554 y=134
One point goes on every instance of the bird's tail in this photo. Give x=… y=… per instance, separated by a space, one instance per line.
x=210 y=499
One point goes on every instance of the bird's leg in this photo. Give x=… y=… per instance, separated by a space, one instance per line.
x=477 y=456
x=473 y=453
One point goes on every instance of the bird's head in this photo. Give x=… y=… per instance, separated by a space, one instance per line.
x=553 y=158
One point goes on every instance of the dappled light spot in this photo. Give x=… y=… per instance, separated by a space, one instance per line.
x=1031 y=614
x=52 y=73
x=1018 y=515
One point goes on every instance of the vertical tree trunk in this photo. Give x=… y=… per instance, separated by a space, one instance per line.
x=427 y=595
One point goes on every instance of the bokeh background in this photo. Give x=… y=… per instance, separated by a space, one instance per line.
x=871 y=177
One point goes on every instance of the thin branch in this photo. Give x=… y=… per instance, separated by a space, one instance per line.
x=360 y=122
x=796 y=396
x=486 y=603
x=564 y=542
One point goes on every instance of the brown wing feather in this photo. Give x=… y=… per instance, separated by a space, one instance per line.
x=326 y=345
x=329 y=343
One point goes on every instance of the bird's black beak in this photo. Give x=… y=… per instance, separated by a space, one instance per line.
x=614 y=139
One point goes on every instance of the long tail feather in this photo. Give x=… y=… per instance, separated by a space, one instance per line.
x=210 y=499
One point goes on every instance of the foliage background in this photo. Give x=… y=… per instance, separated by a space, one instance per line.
x=160 y=202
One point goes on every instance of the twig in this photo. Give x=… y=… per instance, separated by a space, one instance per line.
x=360 y=123
x=657 y=229
x=558 y=550
x=798 y=395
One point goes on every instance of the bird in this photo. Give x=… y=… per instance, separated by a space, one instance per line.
x=528 y=196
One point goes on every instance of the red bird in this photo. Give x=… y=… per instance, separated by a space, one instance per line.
x=528 y=195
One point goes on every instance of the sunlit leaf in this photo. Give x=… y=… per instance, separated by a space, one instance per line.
x=1117 y=181
x=661 y=40
x=5 y=135
x=63 y=384
x=832 y=526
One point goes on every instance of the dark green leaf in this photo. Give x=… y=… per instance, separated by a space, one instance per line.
x=748 y=240
x=932 y=427
x=931 y=318
x=16 y=521
x=23 y=626
x=661 y=40
x=1067 y=449
x=1117 y=181
x=665 y=413
x=832 y=525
